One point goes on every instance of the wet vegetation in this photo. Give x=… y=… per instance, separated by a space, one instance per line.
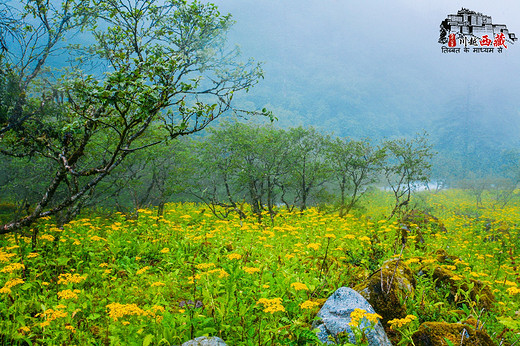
x=148 y=197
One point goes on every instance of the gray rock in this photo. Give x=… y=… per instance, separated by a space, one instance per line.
x=205 y=341
x=334 y=318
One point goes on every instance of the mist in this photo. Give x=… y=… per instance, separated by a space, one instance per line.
x=376 y=69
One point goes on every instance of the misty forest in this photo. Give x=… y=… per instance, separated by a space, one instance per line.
x=257 y=173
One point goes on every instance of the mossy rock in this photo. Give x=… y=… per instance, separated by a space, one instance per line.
x=445 y=277
x=423 y=219
x=384 y=290
x=436 y=334
x=443 y=257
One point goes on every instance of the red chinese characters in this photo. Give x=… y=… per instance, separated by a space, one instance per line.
x=485 y=41
x=452 y=42
x=500 y=40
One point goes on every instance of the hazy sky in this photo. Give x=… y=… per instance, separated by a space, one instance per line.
x=382 y=53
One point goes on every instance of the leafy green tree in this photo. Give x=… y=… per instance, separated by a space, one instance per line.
x=407 y=166
x=151 y=177
x=355 y=166
x=310 y=169
x=242 y=163
x=164 y=63
x=215 y=163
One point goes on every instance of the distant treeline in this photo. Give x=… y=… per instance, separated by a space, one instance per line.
x=259 y=166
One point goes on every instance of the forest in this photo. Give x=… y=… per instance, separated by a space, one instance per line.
x=157 y=187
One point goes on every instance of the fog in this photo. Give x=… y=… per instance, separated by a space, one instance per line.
x=376 y=69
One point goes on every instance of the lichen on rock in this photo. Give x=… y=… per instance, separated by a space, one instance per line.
x=436 y=334
x=386 y=288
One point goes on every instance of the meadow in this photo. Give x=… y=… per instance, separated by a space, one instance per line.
x=162 y=280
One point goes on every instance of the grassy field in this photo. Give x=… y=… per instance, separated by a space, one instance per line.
x=164 y=280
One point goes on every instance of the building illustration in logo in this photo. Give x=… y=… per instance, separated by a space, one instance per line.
x=470 y=28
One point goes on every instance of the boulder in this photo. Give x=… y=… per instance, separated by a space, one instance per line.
x=436 y=334
x=205 y=341
x=334 y=319
x=385 y=289
x=446 y=278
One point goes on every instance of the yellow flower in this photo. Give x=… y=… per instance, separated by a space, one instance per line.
x=349 y=236
x=5 y=257
x=314 y=246
x=330 y=236
x=52 y=315
x=71 y=328
x=24 y=330
x=32 y=255
x=158 y=284
x=117 y=310
x=398 y=323
x=513 y=291
x=103 y=265
x=142 y=270
x=9 y=284
x=364 y=238
x=68 y=294
x=96 y=238
x=165 y=250
x=299 y=286
x=412 y=260
x=204 y=266
x=12 y=267
x=234 y=256
x=67 y=278
x=221 y=273
x=47 y=237
x=374 y=318
x=137 y=258
x=271 y=305
x=357 y=316
x=251 y=270
x=309 y=305
x=155 y=309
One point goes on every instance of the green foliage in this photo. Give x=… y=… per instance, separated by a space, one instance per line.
x=355 y=165
x=168 y=279
x=165 y=68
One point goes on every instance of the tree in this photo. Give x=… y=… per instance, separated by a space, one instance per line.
x=162 y=63
x=216 y=161
x=310 y=169
x=407 y=166
x=241 y=162
x=355 y=165
x=149 y=177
